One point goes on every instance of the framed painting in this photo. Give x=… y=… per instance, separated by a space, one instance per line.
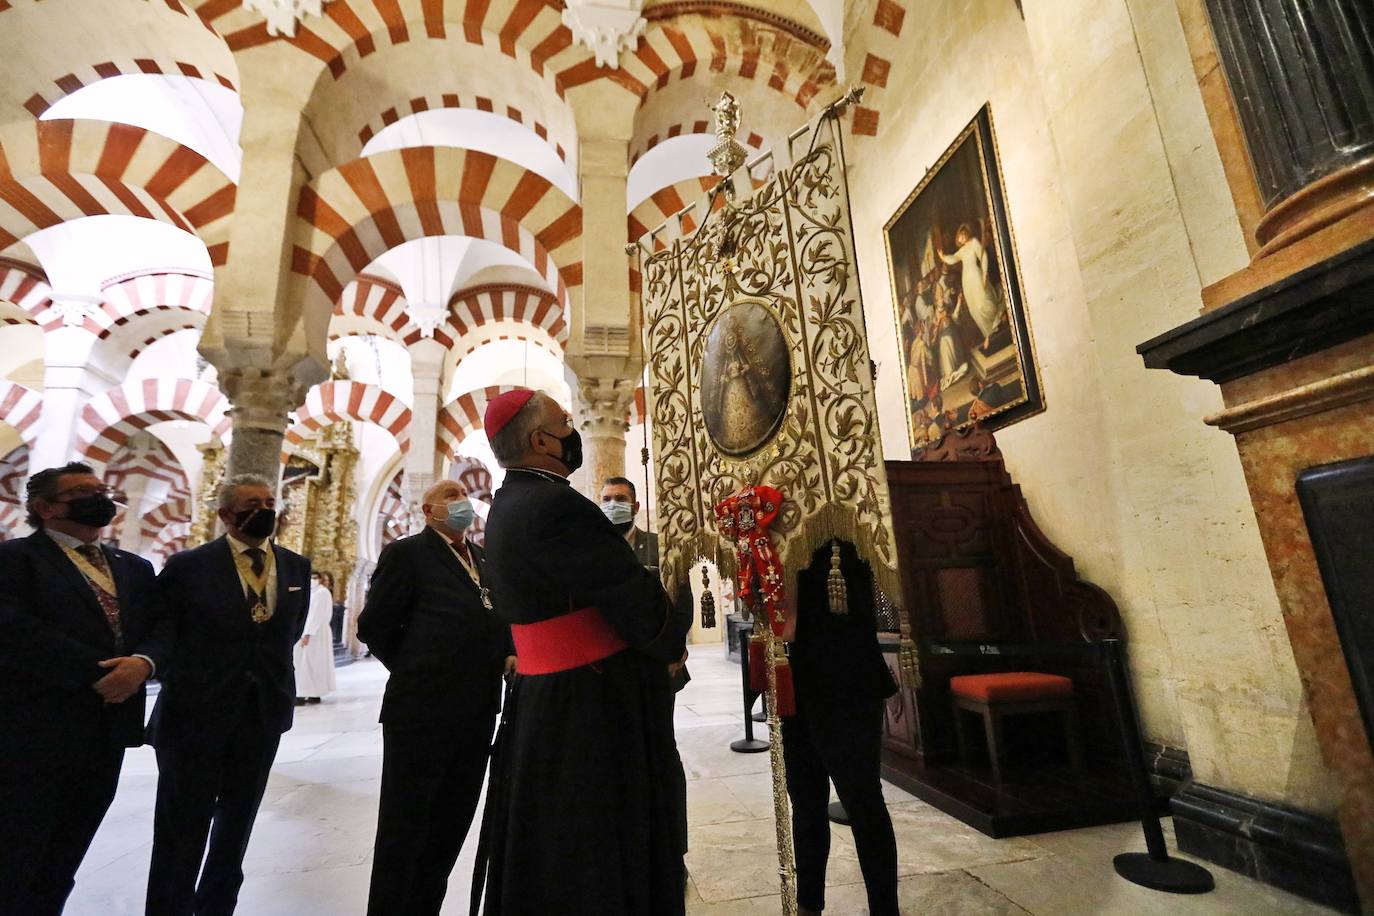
x=966 y=348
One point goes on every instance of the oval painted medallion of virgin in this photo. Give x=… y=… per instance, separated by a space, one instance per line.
x=746 y=376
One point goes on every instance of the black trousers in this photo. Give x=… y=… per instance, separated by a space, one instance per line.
x=207 y=789
x=47 y=821
x=431 y=780
x=840 y=743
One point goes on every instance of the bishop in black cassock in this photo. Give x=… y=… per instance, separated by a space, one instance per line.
x=585 y=800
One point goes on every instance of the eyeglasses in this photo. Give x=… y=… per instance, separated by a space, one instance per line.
x=85 y=491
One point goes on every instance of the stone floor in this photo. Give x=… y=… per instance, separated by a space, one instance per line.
x=311 y=851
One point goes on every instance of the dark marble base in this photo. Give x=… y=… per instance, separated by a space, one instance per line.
x=1169 y=768
x=1316 y=308
x=1286 y=848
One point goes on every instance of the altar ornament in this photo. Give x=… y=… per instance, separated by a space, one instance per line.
x=708 y=601
x=834 y=583
x=744 y=519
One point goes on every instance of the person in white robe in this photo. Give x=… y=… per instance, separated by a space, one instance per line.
x=985 y=305
x=314 y=652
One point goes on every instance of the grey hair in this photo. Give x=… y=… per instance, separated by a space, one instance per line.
x=226 y=490
x=511 y=443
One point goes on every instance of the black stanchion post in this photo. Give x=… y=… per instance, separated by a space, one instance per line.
x=1154 y=869
x=748 y=744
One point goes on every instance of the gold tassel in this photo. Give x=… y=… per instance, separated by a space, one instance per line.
x=708 y=601
x=834 y=584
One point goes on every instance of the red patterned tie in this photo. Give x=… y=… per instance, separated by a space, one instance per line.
x=108 y=603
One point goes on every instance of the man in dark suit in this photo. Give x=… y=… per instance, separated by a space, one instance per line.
x=620 y=503
x=427 y=618
x=238 y=605
x=836 y=735
x=79 y=635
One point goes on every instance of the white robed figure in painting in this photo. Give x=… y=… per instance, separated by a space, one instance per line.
x=314 y=651
x=984 y=301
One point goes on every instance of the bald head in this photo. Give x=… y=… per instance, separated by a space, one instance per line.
x=436 y=503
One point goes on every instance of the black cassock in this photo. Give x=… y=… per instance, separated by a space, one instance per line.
x=586 y=800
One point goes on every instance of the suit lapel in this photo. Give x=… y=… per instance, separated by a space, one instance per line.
x=446 y=559
x=56 y=557
x=119 y=572
x=277 y=554
x=228 y=573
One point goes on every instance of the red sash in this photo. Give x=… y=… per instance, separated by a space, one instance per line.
x=563 y=643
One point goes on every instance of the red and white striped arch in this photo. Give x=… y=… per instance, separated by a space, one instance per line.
x=168 y=513
x=382 y=307
x=53 y=171
x=110 y=418
x=882 y=37
x=753 y=142
x=463 y=416
x=172 y=538
x=329 y=402
x=14 y=470
x=159 y=65
x=21 y=408
x=127 y=298
x=667 y=202
x=440 y=101
x=101 y=39
x=28 y=289
x=472 y=309
x=392 y=511
x=529 y=31
x=474 y=476
x=351 y=215
x=157 y=464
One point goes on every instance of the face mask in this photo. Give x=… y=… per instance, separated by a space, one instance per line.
x=96 y=511
x=460 y=514
x=622 y=515
x=571 y=450
x=257 y=523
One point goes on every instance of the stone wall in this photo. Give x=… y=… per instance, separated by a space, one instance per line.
x=1117 y=204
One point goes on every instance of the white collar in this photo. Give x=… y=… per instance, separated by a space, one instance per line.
x=64 y=539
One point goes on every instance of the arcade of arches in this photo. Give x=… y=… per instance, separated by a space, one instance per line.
x=223 y=248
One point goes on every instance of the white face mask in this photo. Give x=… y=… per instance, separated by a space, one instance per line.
x=619 y=513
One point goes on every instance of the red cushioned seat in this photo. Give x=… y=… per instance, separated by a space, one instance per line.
x=1013 y=686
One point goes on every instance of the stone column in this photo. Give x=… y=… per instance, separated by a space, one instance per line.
x=603 y=418
x=69 y=382
x=422 y=461
x=261 y=402
x=1302 y=80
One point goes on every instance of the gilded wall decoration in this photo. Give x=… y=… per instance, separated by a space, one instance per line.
x=966 y=347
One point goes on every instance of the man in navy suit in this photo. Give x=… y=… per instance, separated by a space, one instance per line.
x=79 y=635
x=238 y=606
x=427 y=618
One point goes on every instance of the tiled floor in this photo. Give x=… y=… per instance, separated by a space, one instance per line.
x=312 y=849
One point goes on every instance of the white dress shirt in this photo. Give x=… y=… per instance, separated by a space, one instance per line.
x=238 y=547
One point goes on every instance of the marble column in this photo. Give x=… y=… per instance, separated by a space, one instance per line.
x=69 y=382
x=261 y=402
x=1302 y=80
x=603 y=418
x=422 y=460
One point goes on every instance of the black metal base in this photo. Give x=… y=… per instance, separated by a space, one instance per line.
x=760 y=716
x=1173 y=876
x=835 y=811
x=748 y=746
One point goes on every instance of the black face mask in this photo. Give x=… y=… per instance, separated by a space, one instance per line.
x=570 y=450
x=96 y=511
x=257 y=523
x=621 y=529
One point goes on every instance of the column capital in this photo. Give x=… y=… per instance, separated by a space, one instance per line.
x=262 y=398
x=604 y=405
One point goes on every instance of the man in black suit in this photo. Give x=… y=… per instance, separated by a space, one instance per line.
x=238 y=605
x=836 y=735
x=620 y=503
x=427 y=618
x=79 y=635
